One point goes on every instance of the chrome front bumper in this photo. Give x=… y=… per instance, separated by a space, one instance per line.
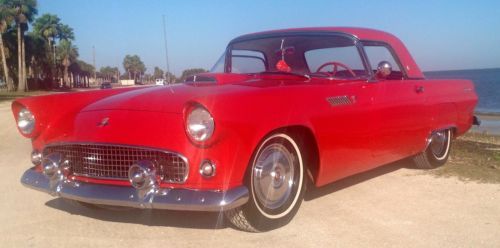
x=173 y=199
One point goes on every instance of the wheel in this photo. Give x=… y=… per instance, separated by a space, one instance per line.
x=277 y=184
x=436 y=153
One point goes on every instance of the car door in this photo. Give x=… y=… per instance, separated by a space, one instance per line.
x=343 y=121
x=344 y=129
x=400 y=117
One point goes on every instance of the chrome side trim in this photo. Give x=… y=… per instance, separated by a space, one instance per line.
x=127 y=196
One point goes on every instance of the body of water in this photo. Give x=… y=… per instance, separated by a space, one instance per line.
x=487 y=82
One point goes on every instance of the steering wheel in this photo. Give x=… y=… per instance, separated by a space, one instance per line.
x=335 y=67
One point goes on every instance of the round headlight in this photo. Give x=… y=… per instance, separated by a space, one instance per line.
x=25 y=121
x=200 y=124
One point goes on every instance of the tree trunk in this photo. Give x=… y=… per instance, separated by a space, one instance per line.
x=23 y=62
x=20 y=85
x=10 y=85
x=65 y=76
x=129 y=75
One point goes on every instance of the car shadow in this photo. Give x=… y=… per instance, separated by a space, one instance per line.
x=203 y=220
x=314 y=192
x=147 y=217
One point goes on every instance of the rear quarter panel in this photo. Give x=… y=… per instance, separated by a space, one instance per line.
x=451 y=103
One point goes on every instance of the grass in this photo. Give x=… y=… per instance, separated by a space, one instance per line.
x=11 y=95
x=474 y=157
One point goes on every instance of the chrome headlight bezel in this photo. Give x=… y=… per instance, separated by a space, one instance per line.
x=26 y=121
x=199 y=124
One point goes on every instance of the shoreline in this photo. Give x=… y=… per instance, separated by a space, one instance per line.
x=490 y=124
x=487 y=113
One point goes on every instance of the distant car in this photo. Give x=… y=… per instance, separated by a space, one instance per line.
x=280 y=109
x=106 y=85
x=160 y=81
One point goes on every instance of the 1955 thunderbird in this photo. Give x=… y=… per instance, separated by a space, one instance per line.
x=280 y=110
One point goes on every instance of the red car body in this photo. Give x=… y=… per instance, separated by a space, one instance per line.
x=350 y=125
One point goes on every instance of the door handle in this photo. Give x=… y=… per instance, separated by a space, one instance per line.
x=419 y=89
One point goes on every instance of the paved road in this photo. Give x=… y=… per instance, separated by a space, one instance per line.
x=389 y=207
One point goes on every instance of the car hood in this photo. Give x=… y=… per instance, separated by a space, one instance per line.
x=156 y=99
x=167 y=99
x=173 y=98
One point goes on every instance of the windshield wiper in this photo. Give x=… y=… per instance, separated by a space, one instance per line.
x=306 y=76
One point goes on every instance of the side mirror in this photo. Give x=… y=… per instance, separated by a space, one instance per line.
x=384 y=69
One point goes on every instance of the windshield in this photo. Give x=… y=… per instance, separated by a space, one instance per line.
x=320 y=55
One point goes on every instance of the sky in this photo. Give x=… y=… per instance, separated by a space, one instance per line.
x=441 y=35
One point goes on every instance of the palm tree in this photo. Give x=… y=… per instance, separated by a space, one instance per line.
x=128 y=64
x=158 y=73
x=49 y=27
x=65 y=32
x=36 y=54
x=87 y=71
x=6 y=17
x=68 y=53
x=25 y=10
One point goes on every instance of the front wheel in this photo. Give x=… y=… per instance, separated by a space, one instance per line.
x=437 y=152
x=277 y=184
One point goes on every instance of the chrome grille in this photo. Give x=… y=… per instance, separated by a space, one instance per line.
x=105 y=161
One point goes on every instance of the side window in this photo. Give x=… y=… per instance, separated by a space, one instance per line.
x=347 y=55
x=379 y=53
x=246 y=61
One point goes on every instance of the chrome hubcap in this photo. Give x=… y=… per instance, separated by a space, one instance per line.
x=273 y=176
x=439 y=143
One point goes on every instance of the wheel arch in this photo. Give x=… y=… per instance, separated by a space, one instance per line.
x=307 y=143
x=451 y=127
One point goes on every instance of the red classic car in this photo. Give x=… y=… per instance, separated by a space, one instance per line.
x=278 y=110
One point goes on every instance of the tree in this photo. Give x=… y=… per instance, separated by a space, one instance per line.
x=25 y=10
x=6 y=18
x=158 y=73
x=85 y=71
x=110 y=73
x=128 y=64
x=189 y=72
x=49 y=27
x=133 y=65
x=67 y=53
x=37 y=58
x=52 y=30
x=65 y=32
x=170 y=78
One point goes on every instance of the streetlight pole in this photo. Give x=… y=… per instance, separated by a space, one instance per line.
x=93 y=60
x=167 y=74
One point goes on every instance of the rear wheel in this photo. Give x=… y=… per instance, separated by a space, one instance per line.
x=437 y=152
x=277 y=184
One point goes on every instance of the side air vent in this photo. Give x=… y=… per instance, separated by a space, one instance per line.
x=341 y=100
